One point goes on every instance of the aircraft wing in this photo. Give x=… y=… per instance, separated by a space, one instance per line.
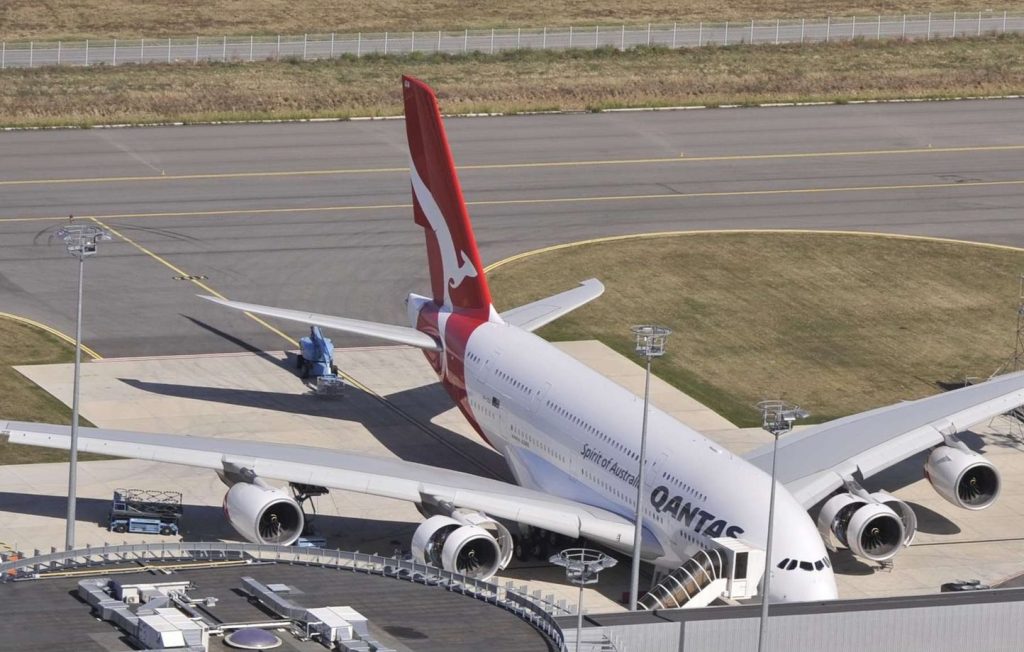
x=813 y=461
x=390 y=332
x=532 y=316
x=390 y=478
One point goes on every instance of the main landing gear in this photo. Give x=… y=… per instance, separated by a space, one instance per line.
x=536 y=544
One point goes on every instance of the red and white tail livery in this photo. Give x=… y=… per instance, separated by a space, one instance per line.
x=456 y=273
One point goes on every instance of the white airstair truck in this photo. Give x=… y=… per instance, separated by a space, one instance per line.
x=730 y=569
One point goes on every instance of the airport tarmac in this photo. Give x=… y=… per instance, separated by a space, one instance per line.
x=316 y=216
x=258 y=397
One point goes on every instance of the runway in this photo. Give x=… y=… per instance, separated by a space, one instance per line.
x=317 y=215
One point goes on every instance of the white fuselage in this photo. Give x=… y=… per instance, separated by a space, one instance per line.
x=569 y=431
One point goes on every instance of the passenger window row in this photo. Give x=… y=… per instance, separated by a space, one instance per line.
x=682 y=485
x=611 y=488
x=591 y=429
x=531 y=440
x=512 y=381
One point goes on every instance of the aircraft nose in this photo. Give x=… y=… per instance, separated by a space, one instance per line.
x=803 y=586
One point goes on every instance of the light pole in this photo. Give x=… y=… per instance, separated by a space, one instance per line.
x=777 y=417
x=81 y=241
x=581 y=568
x=650 y=343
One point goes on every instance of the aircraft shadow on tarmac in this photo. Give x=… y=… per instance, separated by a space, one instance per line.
x=237 y=341
x=97 y=510
x=396 y=434
x=207 y=522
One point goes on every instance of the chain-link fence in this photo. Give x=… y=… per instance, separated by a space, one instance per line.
x=323 y=46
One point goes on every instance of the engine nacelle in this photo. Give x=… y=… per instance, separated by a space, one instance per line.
x=456 y=546
x=962 y=477
x=871 y=530
x=903 y=510
x=263 y=514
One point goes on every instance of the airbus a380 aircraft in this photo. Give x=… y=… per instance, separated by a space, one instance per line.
x=570 y=436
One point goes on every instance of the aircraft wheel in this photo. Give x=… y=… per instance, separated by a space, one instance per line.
x=521 y=547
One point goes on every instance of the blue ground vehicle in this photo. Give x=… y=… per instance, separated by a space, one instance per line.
x=146 y=511
x=316 y=355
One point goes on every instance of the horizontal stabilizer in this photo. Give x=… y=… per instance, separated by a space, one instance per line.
x=389 y=332
x=534 y=315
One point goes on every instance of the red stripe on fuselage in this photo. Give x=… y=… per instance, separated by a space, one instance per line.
x=449 y=364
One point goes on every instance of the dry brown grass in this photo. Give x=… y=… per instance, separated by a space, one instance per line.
x=53 y=19
x=523 y=81
x=22 y=400
x=837 y=323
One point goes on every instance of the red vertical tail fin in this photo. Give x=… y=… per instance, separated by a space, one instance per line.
x=456 y=274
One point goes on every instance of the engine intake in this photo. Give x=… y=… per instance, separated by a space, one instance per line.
x=263 y=514
x=962 y=477
x=468 y=549
x=903 y=510
x=870 y=529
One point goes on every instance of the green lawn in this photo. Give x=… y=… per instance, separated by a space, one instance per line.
x=23 y=400
x=521 y=81
x=835 y=323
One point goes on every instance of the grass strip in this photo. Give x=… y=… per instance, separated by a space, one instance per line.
x=515 y=82
x=836 y=323
x=23 y=400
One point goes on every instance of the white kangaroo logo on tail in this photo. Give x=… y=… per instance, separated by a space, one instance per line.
x=454 y=271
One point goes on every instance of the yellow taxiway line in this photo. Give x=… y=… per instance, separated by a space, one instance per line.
x=539 y=200
x=682 y=158
x=671 y=234
x=52 y=331
x=189 y=277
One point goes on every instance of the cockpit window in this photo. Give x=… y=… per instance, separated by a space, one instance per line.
x=788 y=564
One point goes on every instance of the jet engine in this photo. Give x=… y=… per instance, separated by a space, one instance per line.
x=903 y=510
x=869 y=528
x=263 y=514
x=469 y=543
x=962 y=477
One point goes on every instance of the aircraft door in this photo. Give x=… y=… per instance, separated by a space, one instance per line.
x=490 y=368
x=538 y=397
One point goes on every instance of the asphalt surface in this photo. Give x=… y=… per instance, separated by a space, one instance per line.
x=263 y=214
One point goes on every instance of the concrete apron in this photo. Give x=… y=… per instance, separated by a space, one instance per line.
x=258 y=397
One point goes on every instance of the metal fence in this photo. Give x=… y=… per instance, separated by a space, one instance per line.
x=539 y=613
x=322 y=46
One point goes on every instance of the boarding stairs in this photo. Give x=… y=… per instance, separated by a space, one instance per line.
x=729 y=568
